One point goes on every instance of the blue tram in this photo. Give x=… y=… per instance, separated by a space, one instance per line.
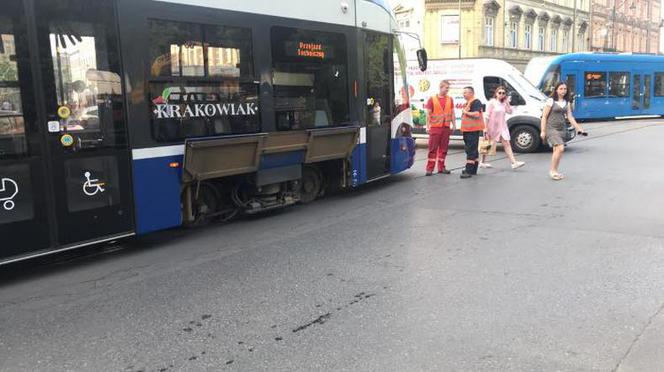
x=605 y=85
x=125 y=117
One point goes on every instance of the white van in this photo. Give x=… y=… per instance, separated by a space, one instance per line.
x=484 y=75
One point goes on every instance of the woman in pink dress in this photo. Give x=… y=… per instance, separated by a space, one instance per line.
x=496 y=128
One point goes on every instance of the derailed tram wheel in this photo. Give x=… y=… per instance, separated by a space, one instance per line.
x=205 y=203
x=211 y=203
x=311 y=184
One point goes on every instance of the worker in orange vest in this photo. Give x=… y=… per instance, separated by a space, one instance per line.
x=440 y=125
x=472 y=127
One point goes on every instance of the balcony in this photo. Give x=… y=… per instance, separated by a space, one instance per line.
x=447 y=4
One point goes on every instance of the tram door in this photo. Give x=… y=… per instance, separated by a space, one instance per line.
x=378 y=72
x=647 y=92
x=641 y=92
x=637 y=93
x=62 y=129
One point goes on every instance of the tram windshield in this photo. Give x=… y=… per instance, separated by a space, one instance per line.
x=401 y=87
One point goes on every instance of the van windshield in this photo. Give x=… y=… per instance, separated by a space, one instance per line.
x=536 y=68
x=523 y=85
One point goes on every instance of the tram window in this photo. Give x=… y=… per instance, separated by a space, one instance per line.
x=659 y=84
x=571 y=86
x=86 y=82
x=379 y=82
x=618 y=84
x=12 y=125
x=310 y=78
x=186 y=49
x=176 y=49
x=202 y=81
x=595 y=84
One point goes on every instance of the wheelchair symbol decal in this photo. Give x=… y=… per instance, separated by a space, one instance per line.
x=92 y=187
x=8 y=187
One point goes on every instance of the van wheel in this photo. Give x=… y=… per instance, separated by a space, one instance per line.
x=525 y=139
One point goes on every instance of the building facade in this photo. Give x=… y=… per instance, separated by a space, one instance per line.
x=511 y=30
x=409 y=15
x=626 y=25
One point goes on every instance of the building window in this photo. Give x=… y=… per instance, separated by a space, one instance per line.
x=554 y=40
x=540 y=39
x=565 y=41
x=488 y=31
x=449 y=29
x=581 y=43
x=529 y=37
x=514 y=39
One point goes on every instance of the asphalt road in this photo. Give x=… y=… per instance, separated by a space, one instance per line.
x=506 y=271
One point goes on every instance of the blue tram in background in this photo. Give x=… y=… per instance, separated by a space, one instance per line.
x=605 y=85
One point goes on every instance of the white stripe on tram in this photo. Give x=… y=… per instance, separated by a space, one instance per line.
x=157 y=152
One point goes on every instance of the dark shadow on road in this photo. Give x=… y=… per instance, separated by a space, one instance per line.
x=62 y=262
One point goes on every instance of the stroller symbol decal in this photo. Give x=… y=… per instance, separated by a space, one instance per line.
x=92 y=187
x=8 y=190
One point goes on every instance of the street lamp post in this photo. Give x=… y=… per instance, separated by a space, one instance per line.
x=613 y=22
x=459 y=38
x=574 y=29
x=648 y=12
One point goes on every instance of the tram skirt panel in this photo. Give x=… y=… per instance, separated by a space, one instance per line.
x=157 y=190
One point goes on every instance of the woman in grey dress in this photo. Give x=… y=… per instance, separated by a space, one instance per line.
x=557 y=111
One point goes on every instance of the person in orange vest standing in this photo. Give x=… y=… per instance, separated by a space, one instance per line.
x=472 y=127
x=440 y=125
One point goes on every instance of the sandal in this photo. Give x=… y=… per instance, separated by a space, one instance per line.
x=556 y=176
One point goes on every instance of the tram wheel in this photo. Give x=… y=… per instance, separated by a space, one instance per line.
x=312 y=182
x=206 y=204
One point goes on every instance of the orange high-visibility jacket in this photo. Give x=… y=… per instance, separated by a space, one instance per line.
x=471 y=124
x=441 y=117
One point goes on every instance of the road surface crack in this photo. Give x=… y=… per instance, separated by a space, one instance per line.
x=638 y=337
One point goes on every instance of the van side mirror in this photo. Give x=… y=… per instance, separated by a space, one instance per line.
x=422 y=59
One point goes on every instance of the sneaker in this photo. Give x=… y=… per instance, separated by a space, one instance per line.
x=444 y=171
x=428 y=174
x=518 y=164
x=486 y=165
x=465 y=175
